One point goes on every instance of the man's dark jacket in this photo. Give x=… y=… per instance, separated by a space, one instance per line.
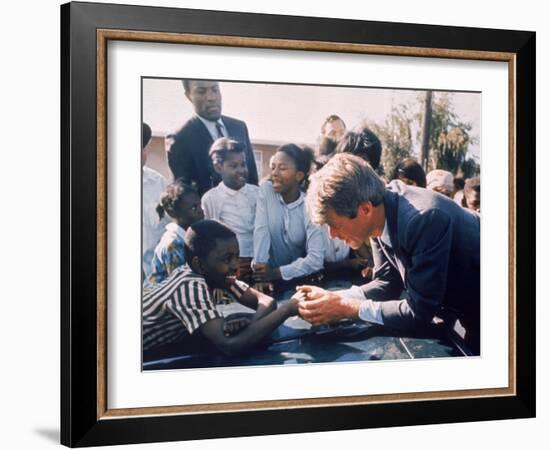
x=434 y=255
x=188 y=155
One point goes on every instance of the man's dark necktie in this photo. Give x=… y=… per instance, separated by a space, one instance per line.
x=219 y=129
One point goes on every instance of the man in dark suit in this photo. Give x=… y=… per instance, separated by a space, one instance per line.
x=188 y=153
x=424 y=245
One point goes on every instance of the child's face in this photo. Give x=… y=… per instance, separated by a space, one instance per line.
x=222 y=262
x=473 y=200
x=233 y=170
x=284 y=174
x=190 y=210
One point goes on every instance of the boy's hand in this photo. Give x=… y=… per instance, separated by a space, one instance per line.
x=233 y=326
x=230 y=281
x=294 y=303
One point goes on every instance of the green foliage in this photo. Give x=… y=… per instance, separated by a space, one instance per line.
x=395 y=136
x=449 y=137
x=469 y=169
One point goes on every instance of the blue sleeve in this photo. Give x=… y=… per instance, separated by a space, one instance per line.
x=313 y=261
x=262 y=238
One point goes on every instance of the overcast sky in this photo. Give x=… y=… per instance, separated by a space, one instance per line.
x=291 y=113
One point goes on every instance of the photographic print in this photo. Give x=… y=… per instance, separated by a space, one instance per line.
x=298 y=223
x=301 y=245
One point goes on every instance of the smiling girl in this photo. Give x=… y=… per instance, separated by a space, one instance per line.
x=287 y=245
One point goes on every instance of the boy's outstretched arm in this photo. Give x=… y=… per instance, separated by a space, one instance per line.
x=262 y=303
x=213 y=330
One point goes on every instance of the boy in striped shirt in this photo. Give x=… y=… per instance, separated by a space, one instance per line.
x=183 y=306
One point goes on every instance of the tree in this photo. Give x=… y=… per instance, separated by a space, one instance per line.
x=395 y=136
x=448 y=142
x=449 y=138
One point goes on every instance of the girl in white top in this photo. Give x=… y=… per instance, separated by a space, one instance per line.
x=233 y=201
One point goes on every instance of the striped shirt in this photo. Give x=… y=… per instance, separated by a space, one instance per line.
x=180 y=305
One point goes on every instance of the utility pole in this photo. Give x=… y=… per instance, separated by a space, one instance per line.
x=426 y=125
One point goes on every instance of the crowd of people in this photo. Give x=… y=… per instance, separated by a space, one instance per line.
x=407 y=245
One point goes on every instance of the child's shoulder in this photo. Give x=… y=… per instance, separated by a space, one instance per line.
x=213 y=192
x=181 y=276
x=188 y=276
x=171 y=235
x=252 y=188
x=266 y=186
x=152 y=174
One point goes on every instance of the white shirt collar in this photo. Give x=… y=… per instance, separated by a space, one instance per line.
x=150 y=174
x=230 y=191
x=211 y=126
x=294 y=204
x=385 y=237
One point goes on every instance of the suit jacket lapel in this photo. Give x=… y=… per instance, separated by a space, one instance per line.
x=202 y=131
x=391 y=203
x=232 y=132
x=201 y=156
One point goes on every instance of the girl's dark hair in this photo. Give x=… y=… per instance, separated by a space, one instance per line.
x=364 y=144
x=222 y=147
x=172 y=197
x=458 y=183
x=410 y=169
x=302 y=157
x=145 y=134
x=326 y=147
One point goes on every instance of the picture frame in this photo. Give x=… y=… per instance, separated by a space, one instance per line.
x=86 y=418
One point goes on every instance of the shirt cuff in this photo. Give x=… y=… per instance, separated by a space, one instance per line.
x=370 y=311
x=287 y=272
x=353 y=292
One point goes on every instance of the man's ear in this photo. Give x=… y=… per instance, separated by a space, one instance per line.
x=188 y=97
x=365 y=208
x=300 y=175
x=196 y=265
